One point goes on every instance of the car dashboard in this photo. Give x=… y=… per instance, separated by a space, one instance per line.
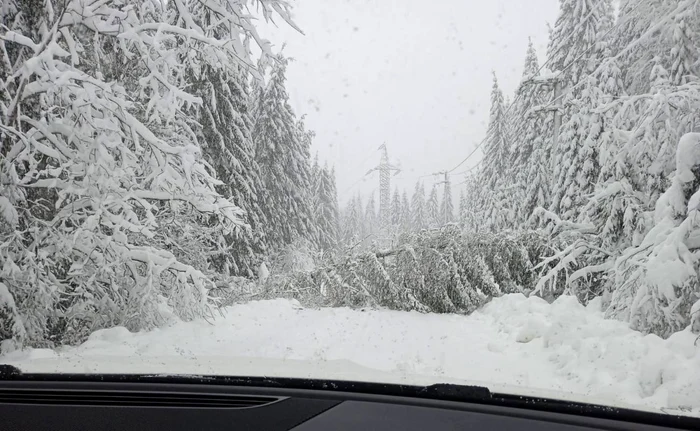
x=30 y=402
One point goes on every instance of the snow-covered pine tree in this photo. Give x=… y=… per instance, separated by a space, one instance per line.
x=660 y=108
x=227 y=146
x=611 y=213
x=315 y=204
x=362 y=231
x=226 y=139
x=405 y=214
x=530 y=150
x=463 y=208
x=651 y=112
x=472 y=211
x=531 y=65
x=577 y=30
x=282 y=152
x=616 y=237
x=575 y=49
x=537 y=175
x=615 y=207
x=496 y=151
x=628 y=27
x=578 y=153
x=371 y=219
x=494 y=201
x=334 y=200
x=658 y=289
x=100 y=163
x=446 y=207
x=607 y=18
x=315 y=174
x=326 y=219
x=655 y=32
x=352 y=222
x=639 y=165
x=432 y=209
x=684 y=53
x=418 y=210
x=396 y=209
x=644 y=155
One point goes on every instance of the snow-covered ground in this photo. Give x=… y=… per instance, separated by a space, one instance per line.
x=515 y=344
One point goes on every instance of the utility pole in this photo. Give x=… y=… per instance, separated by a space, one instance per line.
x=557 y=114
x=554 y=106
x=385 y=168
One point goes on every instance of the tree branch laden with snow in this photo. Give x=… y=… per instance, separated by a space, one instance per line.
x=98 y=157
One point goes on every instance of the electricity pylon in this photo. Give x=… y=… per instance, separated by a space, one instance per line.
x=385 y=168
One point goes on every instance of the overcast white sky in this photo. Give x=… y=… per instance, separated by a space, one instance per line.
x=414 y=74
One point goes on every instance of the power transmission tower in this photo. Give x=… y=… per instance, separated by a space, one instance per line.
x=385 y=168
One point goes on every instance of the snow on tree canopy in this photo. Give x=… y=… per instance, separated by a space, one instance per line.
x=664 y=273
x=282 y=147
x=115 y=209
x=618 y=178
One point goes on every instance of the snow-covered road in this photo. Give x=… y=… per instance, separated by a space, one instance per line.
x=512 y=342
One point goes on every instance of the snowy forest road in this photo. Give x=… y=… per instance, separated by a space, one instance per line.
x=513 y=344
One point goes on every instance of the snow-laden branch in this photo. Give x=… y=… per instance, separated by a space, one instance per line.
x=12 y=36
x=103 y=176
x=562 y=225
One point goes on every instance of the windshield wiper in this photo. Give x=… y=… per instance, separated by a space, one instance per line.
x=452 y=392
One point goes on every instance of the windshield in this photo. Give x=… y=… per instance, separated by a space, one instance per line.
x=503 y=193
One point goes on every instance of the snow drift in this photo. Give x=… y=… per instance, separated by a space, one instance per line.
x=514 y=344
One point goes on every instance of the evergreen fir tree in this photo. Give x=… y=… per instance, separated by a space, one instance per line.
x=282 y=152
x=334 y=198
x=418 y=210
x=463 y=208
x=405 y=215
x=578 y=154
x=371 y=221
x=684 y=53
x=326 y=215
x=576 y=32
x=227 y=145
x=646 y=35
x=575 y=49
x=353 y=222
x=472 y=210
x=530 y=152
x=493 y=201
x=607 y=18
x=432 y=209
x=447 y=208
x=396 y=208
x=496 y=151
x=315 y=173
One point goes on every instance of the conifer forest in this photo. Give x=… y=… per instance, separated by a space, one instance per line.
x=151 y=164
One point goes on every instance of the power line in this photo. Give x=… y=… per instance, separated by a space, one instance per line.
x=353 y=184
x=513 y=103
x=582 y=81
x=466 y=171
x=371 y=154
x=519 y=94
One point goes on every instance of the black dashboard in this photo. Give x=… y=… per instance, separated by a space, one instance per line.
x=134 y=403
